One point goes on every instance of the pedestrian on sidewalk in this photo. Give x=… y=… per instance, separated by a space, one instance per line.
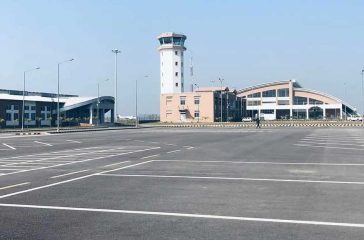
x=257 y=121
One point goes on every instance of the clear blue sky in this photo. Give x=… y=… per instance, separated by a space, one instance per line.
x=318 y=43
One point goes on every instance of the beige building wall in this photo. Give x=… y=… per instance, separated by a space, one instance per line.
x=171 y=107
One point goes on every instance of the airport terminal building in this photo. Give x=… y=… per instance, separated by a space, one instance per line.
x=40 y=109
x=288 y=99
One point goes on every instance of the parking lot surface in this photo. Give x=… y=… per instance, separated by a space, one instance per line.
x=156 y=183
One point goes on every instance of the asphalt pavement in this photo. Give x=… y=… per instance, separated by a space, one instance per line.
x=185 y=183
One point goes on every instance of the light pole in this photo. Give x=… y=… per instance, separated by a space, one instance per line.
x=69 y=60
x=198 y=105
x=136 y=102
x=362 y=95
x=346 y=118
x=116 y=51
x=23 y=109
x=98 y=99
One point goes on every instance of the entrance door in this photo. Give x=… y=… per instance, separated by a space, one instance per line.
x=183 y=116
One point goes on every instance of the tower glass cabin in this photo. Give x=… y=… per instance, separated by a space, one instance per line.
x=171 y=50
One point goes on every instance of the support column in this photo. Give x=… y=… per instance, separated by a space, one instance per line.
x=341 y=113
x=324 y=112
x=307 y=116
x=91 y=114
x=112 y=116
x=291 y=112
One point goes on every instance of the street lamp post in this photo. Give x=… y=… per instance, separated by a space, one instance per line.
x=346 y=118
x=198 y=105
x=362 y=95
x=98 y=100
x=69 y=60
x=23 y=108
x=116 y=51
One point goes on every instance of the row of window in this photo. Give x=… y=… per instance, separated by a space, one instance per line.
x=296 y=101
x=183 y=100
x=26 y=107
x=284 y=92
x=31 y=116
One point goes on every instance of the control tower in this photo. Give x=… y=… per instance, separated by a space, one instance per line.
x=171 y=62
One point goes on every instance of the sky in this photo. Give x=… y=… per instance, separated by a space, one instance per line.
x=317 y=43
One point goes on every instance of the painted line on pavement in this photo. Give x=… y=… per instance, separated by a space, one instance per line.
x=43 y=143
x=189 y=215
x=173 y=151
x=155 y=155
x=70 y=180
x=16 y=185
x=345 y=148
x=73 y=141
x=233 y=178
x=6 y=145
x=115 y=164
x=63 y=175
x=268 y=163
x=86 y=160
x=330 y=143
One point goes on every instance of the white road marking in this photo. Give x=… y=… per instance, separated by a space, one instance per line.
x=86 y=160
x=330 y=143
x=189 y=215
x=173 y=151
x=47 y=144
x=346 y=148
x=190 y=148
x=73 y=141
x=115 y=164
x=233 y=178
x=155 y=155
x=16 y=185
x=268 y=163
x=70 y=180
x=6 y=145
x=333 y=140
x=62 y=175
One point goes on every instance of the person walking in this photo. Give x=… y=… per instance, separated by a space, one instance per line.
x=257 y=121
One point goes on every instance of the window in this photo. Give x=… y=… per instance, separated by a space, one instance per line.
x=283 y=102
x=33 y=108
x=183 y=101
x=313 y=101
x=176 y=74
x=269 y=93
x=253 y=103
x=8 y=107
x=8 y=117
x=26 y=107
x=176 y=53
x=197 y=100
x=176 y=84
x=48 y=115
x=267 y=111
x=176 y=63
x=16 y=116
x=16 y=107
x=299 y=101
x=254 y=95
x=32 y=116
x=26 y=115
x=284 y=92
x=42 y=108
x=167 y=40
x=197 y=114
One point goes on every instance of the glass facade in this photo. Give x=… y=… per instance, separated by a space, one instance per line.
x=269 y=93
x=315 y=102
x=180 y=41
x=284 y=92
x=254 y=95
x=300 y=101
